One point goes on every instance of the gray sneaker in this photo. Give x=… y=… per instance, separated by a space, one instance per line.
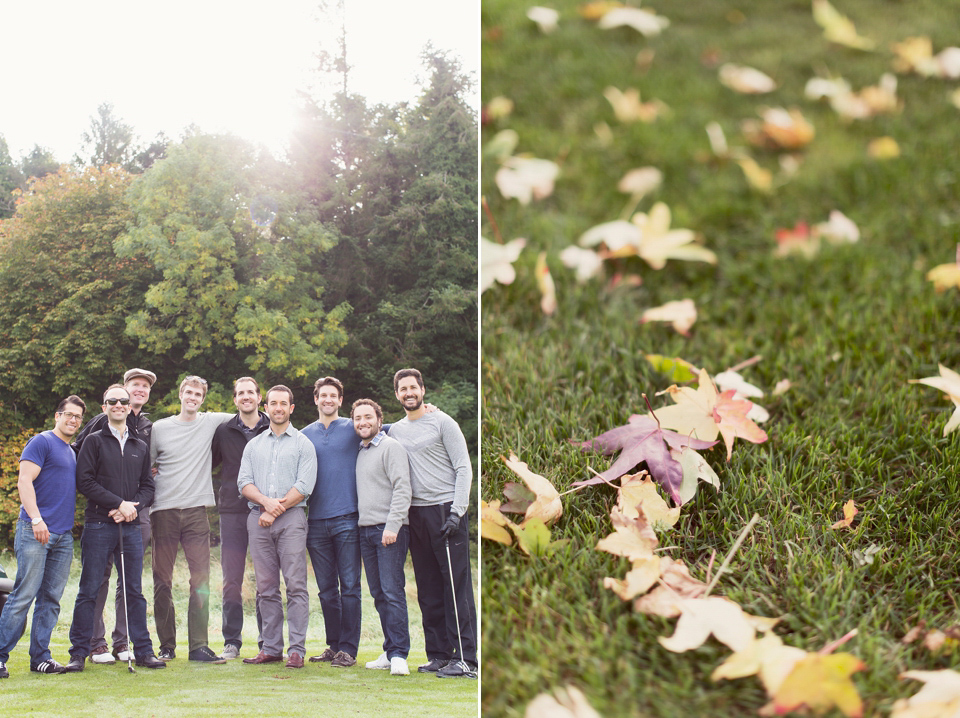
x=230 y=651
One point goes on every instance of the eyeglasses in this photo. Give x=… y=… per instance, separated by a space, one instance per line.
x=113 y=402
x=70 y=416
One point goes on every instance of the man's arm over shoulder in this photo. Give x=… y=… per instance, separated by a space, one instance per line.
x=95 y=424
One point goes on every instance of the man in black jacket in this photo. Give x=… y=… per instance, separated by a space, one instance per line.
x=113 y=472
x=229 y=441
x=138 y=382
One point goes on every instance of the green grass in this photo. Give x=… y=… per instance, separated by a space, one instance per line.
x=848 y=328
x=193 y=689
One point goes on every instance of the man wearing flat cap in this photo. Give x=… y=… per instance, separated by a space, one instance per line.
x=138 y=383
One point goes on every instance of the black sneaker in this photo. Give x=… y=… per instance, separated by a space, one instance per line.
x=205 y=655
x=458 y=669
x=150 y=661
x=167 y=654
x=50 y=666
x=434 y=665
x=4 y=673
x=74 y=665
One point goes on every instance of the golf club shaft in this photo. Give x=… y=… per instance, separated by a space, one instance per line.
x=456 y=612
x=126 y=623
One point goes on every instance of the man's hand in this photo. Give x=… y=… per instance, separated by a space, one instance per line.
x=41 y=533
x=450 y=526
x=127 y=511
x=389 y=537
x=274 y=507
x=429 y=408
x=266 y=519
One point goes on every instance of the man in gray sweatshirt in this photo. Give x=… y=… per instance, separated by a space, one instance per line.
x=383 y=499
x=440 y=477
x=181 y=451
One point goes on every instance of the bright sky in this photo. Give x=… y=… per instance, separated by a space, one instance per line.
x=223 y=66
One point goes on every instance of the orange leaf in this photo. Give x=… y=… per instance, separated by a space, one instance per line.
x=820 y=683
x=849 y=511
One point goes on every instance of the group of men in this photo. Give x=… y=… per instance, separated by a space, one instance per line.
x=345 y=491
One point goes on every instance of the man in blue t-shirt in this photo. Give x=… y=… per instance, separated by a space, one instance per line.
x=44 y=543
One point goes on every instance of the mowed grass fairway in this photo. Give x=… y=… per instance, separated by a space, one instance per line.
x=186 y=688
x=848 y=328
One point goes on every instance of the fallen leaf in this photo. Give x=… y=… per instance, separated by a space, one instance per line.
x=766 y=657
x=883 y=148
x=939 y=697
x=821 y=682
x=799 y=240
x=782 y=387
x=638 y=497
x=548 y=290
x=675 y=368
x=734 y=380
x=779 y=128
x=627 y=106
x=519 y=498
x=641 y=181
x=566 y=702
x=526 y=178
x=849 y=511
x=746 y=80
x=680 y=313
x=498 y=108
x=493 y=524
x=695 y=470
x=955 y=98
x=838 y=229
x=702 y=617
x=546 y=18
x=547 y=507
x=949 y=383
x=839 y=28
x=496 y=262
x=760 y=178
x=639 y=579
x=914 y=54
x=914 y=633
x=585 y=262
x=619 y=236
x=945 y=276
x=533 y=537
x=658 y=243
x=503 y=143
x=646 y=22
x=597 y=9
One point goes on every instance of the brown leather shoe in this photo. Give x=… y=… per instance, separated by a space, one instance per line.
x=295 y=660
x=265 y=658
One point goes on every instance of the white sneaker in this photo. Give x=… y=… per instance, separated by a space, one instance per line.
x=124 y=656
x=381 y=664
x=398 y=666
x=102 y=655
x=230 y=652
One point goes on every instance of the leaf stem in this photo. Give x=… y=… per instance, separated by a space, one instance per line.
x=733 y=550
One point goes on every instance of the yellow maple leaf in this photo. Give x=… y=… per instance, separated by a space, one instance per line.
x=639 y=579
x=765 y=657
x=632 y=538
x=839 y=28
x=658 y=242
x=493 y=524
x=849 y=511
x=702 y=617
x=547 y=506
x=945 y=276
x=821 y=682
x=638 y=496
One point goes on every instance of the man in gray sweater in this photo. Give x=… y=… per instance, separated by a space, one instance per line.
x=440 y=477
x=181 y=451
x=383 y=499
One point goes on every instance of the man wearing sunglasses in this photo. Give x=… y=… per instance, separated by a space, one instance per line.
x=138 y=383
x=44 y=543
x=113 y=472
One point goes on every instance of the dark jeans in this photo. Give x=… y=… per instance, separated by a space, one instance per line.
x=189 y=528
x=334 y=548
x=100 y=540
x=233 y=562
x=119 y=636
x=384 y=568
x=430 y=569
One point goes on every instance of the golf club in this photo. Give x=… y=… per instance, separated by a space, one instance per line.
x=456 y=614
x=123 y=578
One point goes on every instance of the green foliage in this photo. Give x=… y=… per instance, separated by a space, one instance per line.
x=11 y=180
x=38 y=163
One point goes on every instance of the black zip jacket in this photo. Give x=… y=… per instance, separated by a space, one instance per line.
x=107 y=477
x=137 y=424
x=229 y=440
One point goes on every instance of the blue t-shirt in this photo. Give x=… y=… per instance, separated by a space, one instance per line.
x=56 y=484
x=337 y=447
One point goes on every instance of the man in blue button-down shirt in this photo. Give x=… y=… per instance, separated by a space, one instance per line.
x=277 y=473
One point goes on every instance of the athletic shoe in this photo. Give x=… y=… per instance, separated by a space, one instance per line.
x=50 y=666
x=122 y=652
x=343 y=660
x=74 y=665
x=4 y=673
x=399 y=667
x=381 y=664
x=434 y=665
x=457 y=669
x=328 y=655
x=101 y=654
x=150 y=661
x=230 y=652
x=205 y=655
x=167 y=654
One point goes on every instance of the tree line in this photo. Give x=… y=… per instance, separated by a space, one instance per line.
x=354 y=255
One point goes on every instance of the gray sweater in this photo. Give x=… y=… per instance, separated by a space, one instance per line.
x=440 y=470
x=181 y=451
x=383 y=484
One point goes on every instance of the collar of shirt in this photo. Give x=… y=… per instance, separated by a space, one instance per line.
x=121 y=436
x=375 y=441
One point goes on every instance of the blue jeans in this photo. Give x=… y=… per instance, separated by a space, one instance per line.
x=100 y=541
x=334 y=548
x=384 y=567
x=42 y=573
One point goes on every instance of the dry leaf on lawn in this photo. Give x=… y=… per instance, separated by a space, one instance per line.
x=821 y=682
x=638 y=495
x=766 y=657
x=701 y=617
x=849 y=511
x=566 y=702
x=949 y=383
x=681 y=314
x=493 y=524
x=939 y=697
x=547 y=505
x=496 y=262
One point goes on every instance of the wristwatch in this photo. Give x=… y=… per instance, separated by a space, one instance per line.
x=36 y=520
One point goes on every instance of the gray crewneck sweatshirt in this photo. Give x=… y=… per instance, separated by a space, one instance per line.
x=383 y=484
x=181 y=452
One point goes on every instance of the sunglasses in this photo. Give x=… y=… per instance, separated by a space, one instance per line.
x=113 y=402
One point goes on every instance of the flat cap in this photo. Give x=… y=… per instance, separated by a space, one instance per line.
x=132 y=373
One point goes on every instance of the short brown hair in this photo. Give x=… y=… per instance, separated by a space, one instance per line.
x=72 y=399
x=193 y=381
x=115 y=386
x=368 y=402
x=280 y=387
x=403 y=373
x=327 y=381
x=245 y=378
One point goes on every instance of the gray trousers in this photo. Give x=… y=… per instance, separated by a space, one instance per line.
x=281 y=548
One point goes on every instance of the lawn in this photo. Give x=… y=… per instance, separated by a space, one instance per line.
x=847 y=327
x=192 y=689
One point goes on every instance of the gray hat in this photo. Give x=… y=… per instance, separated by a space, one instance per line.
x=132 y=373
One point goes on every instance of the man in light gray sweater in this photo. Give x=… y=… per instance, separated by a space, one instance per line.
x=440 y=477
x=383 y=500
x=180 y=449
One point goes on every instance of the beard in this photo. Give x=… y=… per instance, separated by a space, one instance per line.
x=418 y=405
